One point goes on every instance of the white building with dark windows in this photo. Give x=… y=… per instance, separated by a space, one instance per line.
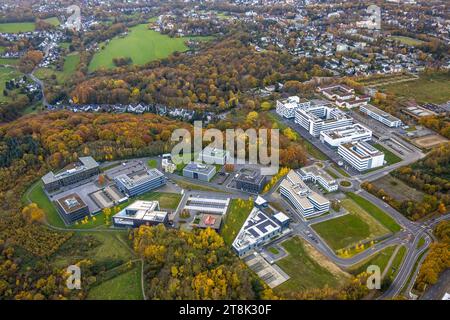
x=139 y=182
x=361 y=155
x=140 y=213
x=286 y=108
x=307 y=202
x=214 y=156
x=318 y=175
x=351 y=133
x=320 y=118
x=381 y=116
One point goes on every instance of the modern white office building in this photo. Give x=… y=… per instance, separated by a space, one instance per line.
x=361 y=155
x=257 y=230
x=214 y=156
x=286 y=108
x=140 y=213
x=381 y=116
x=139 y=182
x=318 y=175
x=307 y=202
x=320 y=118
x=351 y=133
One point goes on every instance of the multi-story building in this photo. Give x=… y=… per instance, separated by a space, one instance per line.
x=214 y=156
x=258 y=229
x=199 y=171
x=318 y=175
x=381 y=116
x=337 y=92
x=307 y=202
x=85 y=168
x=71 y=208
x=286 y=108
x=142 y=181
x=140 y=213
x=353 y=103
x=351 y=133
x=320 y=118
x=361 y=155
x=250 y=180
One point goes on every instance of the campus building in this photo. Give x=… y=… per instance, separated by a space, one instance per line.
x=71 y=208
x=361 y=155
x=139 y=182
x=250 y=180
x=199 y=171
x=320 y=118
x=307 y=202
x=140 y=213
x=318 y=175
x=214 y=156
x=286 y=108
x=381 y=116
x=353 y=103
x=85 y=168
x=258 y=229
x=337 y=92
x=351 y=133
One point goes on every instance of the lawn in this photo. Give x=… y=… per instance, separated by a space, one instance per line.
x=380 y=259
x=407 y=40
x=70 y=65
x=152 y=163
x=141 y=45
x=350 y=229
x=53 y=21
x=16 y=27
x=193 y=186
x=395 y=266
x=6 y=74
x=238 y=211
x=381 y=216
x=389 y=156
x=432 y=88
x=126 y=286
x=9 y=61
x=304 y=271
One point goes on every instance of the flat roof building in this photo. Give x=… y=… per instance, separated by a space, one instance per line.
x=361 y=155
x=207 y=205
x=85 y=168
x=209 y=221
x=337 y=92
x=318 y=175
x=307 y=202
x=71 y=208
x=214 y=156
x=199 y=171
x=257 y=230
x=286 y=108
x=351 y=133
x=250 y=180
x=139 y=182
x=140 y=213
x=381 y=116
x=320 y=118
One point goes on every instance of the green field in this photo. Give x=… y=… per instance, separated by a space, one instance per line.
x=238 y=211
x=53 y=21
x=9 y=61
x=70 y=65
x=407 y=40
x=350 y=229
x=304 y=271
x=126 y=286
x=389 y=156
x=16 y=27
x=152 y=163
x=6 y=74
x=396 y=263
x=141 y=45
x=380 y=259
x=381 y=216
x=432 y=88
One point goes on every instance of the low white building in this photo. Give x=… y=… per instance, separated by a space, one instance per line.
x=318 y=175
x=352 y=133
x=381 y=116
x=286 y=108
x=361 y=155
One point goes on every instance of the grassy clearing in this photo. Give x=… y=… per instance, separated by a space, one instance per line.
x=380 y=259
x=351 y=229
x=431 y=88
x=193 y=186
x=407 y=40
x=381 y=216
x=53 y=21
x=141 y=45
x=398 y=189
x=126 y=286
x=9 y=61
x=395 y=266
x=152 y=163
x=389 y=156
x=6 y=74
x=238 y=211
x=70 y=65
x=304 y=271
x=16 y=27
